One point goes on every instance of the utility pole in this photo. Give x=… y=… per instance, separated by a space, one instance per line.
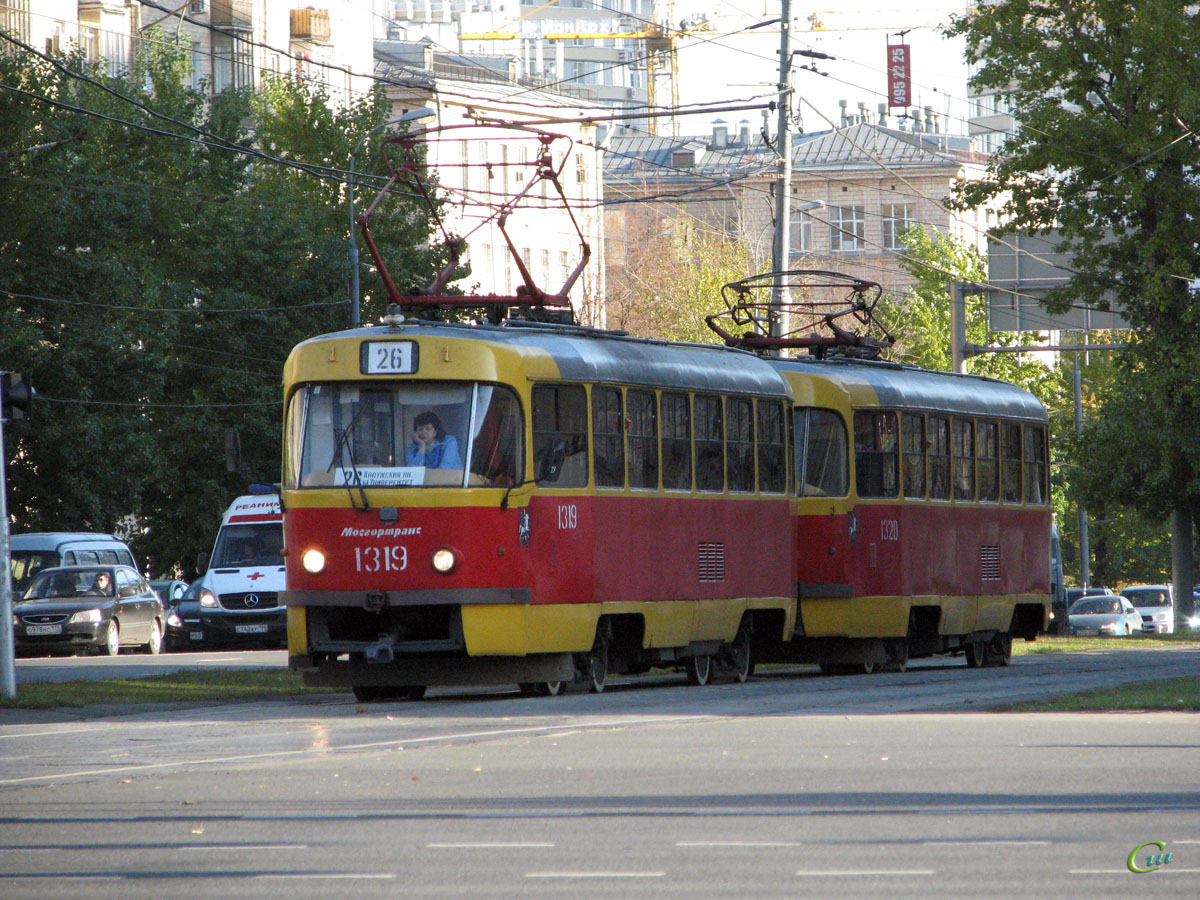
x=781 y=252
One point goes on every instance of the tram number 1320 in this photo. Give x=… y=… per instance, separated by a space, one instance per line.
x=380 y=559
x=889 y=529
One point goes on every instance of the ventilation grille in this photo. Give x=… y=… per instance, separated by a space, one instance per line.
x=712 y=563
x=989 y=563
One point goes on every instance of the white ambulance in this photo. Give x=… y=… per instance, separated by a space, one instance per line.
x=237 y=601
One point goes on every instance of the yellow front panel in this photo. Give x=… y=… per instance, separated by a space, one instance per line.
x=297 y=630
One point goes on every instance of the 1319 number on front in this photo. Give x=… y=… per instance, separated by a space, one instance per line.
x=380 y=559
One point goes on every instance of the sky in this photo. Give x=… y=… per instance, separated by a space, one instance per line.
x=743 y=66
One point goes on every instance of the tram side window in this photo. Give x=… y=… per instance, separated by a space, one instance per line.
x=912 y=434
x=939 y=458
x=1010 y=462
x=772 y=448
x=822 y=463
x=963 y=438
x=643 y=440
x=496 y=447
x=710 y=445
x=876 y=448
x=1036 y=488
x=560 y=435
x=989 y=461
x=676 y=442
x=740 y=445
x=608 y=437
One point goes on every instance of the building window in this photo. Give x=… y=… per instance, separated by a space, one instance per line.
x=232 y=63
x=847 y=229
x=897 y=219
x=801 y=232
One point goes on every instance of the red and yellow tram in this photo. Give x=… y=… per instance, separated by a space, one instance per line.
x=542 y=504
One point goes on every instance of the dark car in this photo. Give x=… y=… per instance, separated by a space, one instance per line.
x=102 y=608
x=169 y=590
x=198 y=622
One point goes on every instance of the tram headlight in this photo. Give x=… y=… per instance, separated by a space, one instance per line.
x=313 y=562
x=445 y=560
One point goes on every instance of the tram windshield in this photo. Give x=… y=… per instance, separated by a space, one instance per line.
x=411 y=434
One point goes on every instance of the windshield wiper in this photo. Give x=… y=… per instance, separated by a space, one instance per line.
x=343 y=443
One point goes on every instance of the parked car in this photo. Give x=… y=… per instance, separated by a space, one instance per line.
x=73 y=608
x=1077 y=593
x=1155 y=604
x=183 y=628
x=1104 y=614
x=169 y=590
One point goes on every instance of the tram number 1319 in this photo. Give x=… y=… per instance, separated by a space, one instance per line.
x=380 y=559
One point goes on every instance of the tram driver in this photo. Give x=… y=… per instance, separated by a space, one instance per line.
x=431 y=447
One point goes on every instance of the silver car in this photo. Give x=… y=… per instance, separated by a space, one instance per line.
x=1104 y=615
x=1155 y=605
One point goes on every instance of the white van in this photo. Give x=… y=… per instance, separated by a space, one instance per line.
x=240 y=586
x=50 y=549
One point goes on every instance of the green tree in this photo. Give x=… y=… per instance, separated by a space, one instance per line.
x=670 y=277
x=156 y=284
x=1107 y=94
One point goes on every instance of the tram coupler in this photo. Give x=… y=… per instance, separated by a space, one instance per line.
x=381 y=651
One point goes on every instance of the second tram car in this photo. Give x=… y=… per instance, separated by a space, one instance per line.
x=547 y=504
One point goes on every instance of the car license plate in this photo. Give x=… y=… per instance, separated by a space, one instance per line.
x=250 y=629
x=196 y=635
x=43 y=629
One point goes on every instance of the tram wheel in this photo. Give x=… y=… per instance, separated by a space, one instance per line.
x=977 y=652
x=369 y=693
x=999 y=651
x=597 y=665
x=698 y=669
x=737 y=656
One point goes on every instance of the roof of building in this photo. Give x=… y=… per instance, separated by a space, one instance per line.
x=861 y=145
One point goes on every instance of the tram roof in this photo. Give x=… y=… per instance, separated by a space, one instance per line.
x=585 y=354
x=908 y=387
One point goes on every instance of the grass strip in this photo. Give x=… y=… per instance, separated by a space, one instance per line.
x=176 y=687
x=1172 y=695
x=1052 y=643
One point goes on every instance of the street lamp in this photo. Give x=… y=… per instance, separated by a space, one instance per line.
x=412 y=115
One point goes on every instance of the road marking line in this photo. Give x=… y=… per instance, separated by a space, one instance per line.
x=371 y=745
x=738 y=844
x=1000 y=843
x=314 y=876
x=595 y=874
x=226 y=847
x=843 y=873
x=488 y=846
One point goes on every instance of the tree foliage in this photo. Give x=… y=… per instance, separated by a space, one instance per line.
x=153 y=285
x=671 y=277
x=1107 y=95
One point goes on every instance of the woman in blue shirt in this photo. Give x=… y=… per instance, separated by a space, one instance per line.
x=431 y=447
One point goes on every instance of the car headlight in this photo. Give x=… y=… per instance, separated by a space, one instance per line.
x=1193 y=622
x=173 y=620
x=1109 y=627
x=313 y=561
x=445 y=560
x=86 y=615
x=208 y=599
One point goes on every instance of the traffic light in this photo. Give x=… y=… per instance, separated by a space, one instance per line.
x=16 y=395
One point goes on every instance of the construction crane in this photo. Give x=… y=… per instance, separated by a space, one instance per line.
x=659 y=39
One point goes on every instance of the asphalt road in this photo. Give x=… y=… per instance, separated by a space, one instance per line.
x=793 y=785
